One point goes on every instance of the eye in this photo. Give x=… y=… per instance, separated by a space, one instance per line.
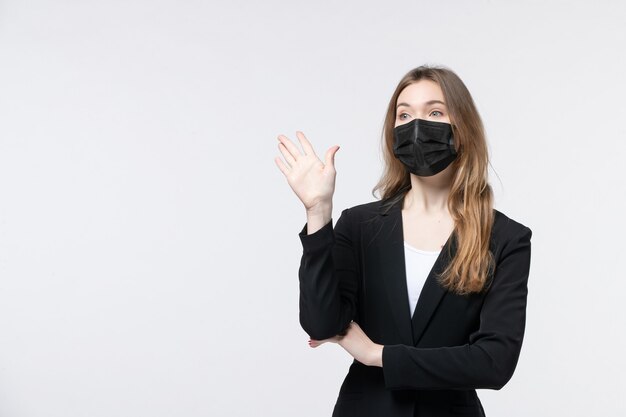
x=400 y=116
x=432 y=113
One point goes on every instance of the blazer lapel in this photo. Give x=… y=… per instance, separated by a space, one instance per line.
x=391 y=246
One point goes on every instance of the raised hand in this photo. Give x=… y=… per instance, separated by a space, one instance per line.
x=312 y=180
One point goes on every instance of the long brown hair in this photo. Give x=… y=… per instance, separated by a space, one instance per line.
x=470 y=200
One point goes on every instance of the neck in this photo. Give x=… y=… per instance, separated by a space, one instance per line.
x=428 y=194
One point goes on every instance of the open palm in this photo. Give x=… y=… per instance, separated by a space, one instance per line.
x=312 y=180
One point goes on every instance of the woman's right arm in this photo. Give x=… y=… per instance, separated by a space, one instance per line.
x=327 y=269
x=328 y=277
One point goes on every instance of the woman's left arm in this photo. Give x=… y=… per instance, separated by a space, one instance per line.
x=490 y=357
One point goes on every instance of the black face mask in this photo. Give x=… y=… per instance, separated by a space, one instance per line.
x=424 y=147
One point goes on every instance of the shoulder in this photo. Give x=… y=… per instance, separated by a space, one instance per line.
x=504 y=225
x=365 y=209
x=362 y=212
x=507 y=232
x=358 y=216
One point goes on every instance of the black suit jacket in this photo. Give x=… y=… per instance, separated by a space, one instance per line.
x=434 y=361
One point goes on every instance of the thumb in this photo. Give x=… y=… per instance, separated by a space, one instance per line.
x=330 y=156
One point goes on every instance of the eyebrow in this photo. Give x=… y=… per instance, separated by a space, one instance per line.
x=428 y=103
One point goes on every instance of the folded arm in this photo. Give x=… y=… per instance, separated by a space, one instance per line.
x=490 y=357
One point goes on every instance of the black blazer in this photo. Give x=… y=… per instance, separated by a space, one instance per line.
x=434 y=361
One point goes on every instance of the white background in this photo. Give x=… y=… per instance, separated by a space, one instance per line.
x=148 y=241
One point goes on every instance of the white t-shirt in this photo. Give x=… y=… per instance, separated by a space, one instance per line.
x=418 y=265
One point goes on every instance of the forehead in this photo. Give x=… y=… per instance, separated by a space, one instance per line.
x=420 y=92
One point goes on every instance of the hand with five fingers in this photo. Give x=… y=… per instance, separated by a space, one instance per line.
x=312 y=180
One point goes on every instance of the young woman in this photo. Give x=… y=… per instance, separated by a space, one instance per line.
x=426 y=288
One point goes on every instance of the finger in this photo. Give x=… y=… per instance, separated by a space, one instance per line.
x=315 y=343
x=293 y=149
x=306 y=145
x=281 y=165
x=330 y=156
x=290 y=160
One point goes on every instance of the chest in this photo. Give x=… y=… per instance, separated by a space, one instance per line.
x=438 y=317
x=428 y=233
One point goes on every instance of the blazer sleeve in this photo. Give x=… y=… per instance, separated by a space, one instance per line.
x=489 y=359
x=328 y=277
